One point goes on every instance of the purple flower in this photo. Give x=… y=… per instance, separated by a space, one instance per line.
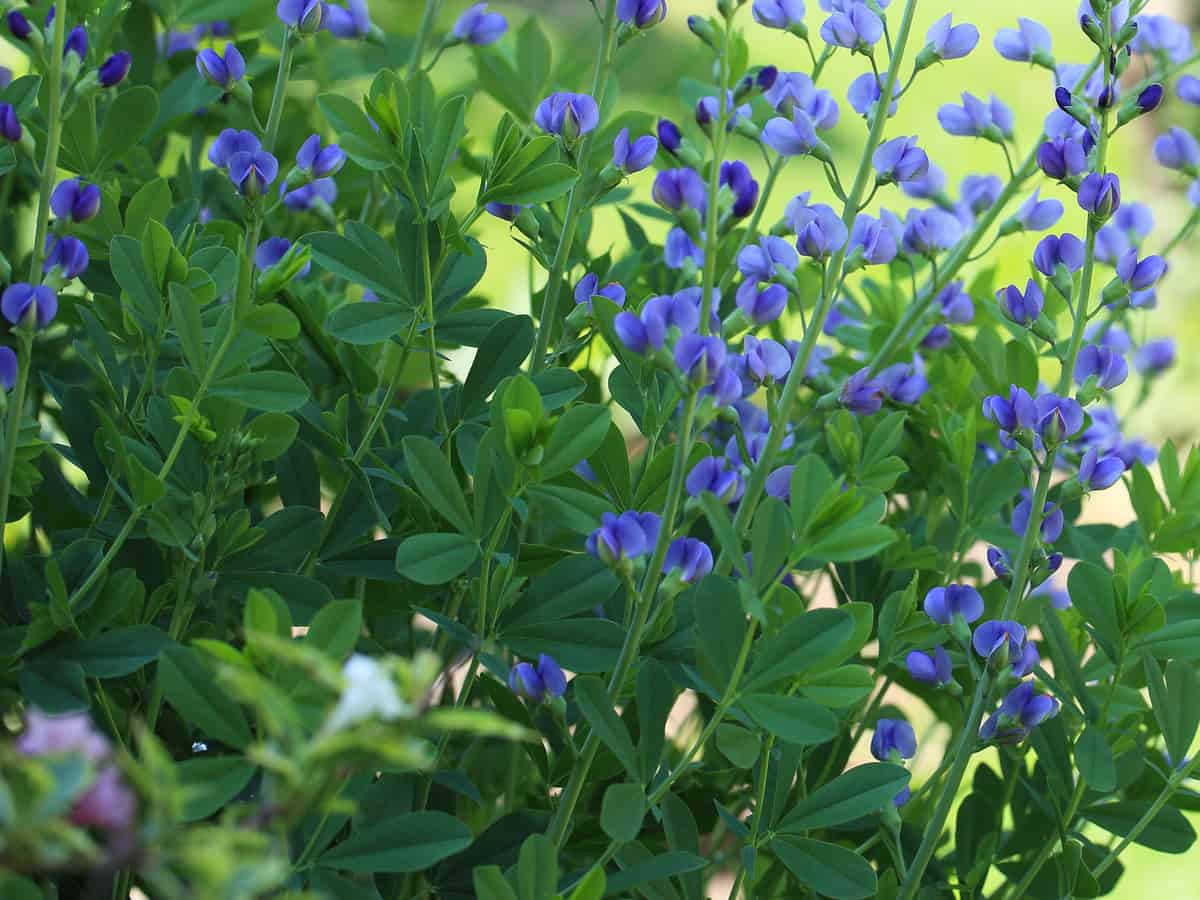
x=18 y=25
x=679 y=248
x=1177 y=149
x=1098 y=472
x=699 y=357
x=905 y=382
x=1036 y=214
x=870 y=238
x=935 y=669
x=114 y=69
x=707 y=111
x=929 y=231
x=766 y=360
x=861 y=394
x=1026 y=661
x=641 y=13
x=272 y=250
x=691 y=557
x=1062 y=157
x=669 y=135
x=10 y=124
x=1019 y=713
x=8 y=368
x=677 y=189
x=764 y=306
x=253 y=173
x=857 y=28
x=936 y=338
x=1100 y=195
x=712 y=475
x=1058 y=417
x=1107 y=335
x=1029 y=41
x=625 y=537
x=900 y=159
x=1140 y=275
x=927 y=186
x=1155 y=357
x=633 y=156
x=22 y=299
x=1188 y=89
x=1058 y=250
x=1136 y=220
x=230 y=142
x=1052 y=519
x=316 y=161
x=736 y=176
x=74 y=201
x=726 y=387
x=866 y=90
x=1162 y=35
x=589 y=287
x=307 y=196
x=639 y=334
x=1018 y=411
x=980 y=192
x=66 y=254
x=820 y=232
x=1102 y=363
x=77 y=43
x=779 y=483
x=791 y=137
x=536 y=683
x=957 y=305
x=992 y=637
x=303 y=15
x=949 y=41
x=568 y=115
x=758 y=261
x=781 y=14
x=943 y=604
x=221 y=71
x=999 y=562
x=353 y=20
x=893 y=737
x=976 y=118
x=1021 y=308
x=479 y=27
x=795 y=90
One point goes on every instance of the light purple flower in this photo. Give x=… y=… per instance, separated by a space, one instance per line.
x=1058 y=250
x=633 y=156
x=1030 y=39
x=900 y=159
x=992 y=636
x=699 y=357
x=568 y=115
x=758 y=261
x=950 y=41
x=893 y=736
x=353 y=20
x=929 y=231
x=317 y=161
x=713 y=475
x=862 y=394
x=22 y=298
x=935 y=669
x=1177 y=149
x=1036 y=214
x=791 y=137
x=1155 y=357
x=781 y=14
x=303 y=15
x=820 y=232
x=1019 y=713
x=858 y=28
x=625 y=537
x=1052 y=519
x=677 y=189
x=692 y=557
x=222 y=71
x=766 y=360
x=876 y=243
x=1100 y=195
x=795 y=90
x=942 y=604
x=75 y=201
x=866 y=90
x=1098 y=472
x=1102 y=363
x=479 y=27
x=679 y=248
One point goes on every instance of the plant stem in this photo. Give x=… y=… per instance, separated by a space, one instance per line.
x=752 y=226
x=719 y=137
x=575 y=201
x=12 y=431
x=279 y=94
x=53 y=139
x=1177 y=778
x=1047 y=849
x=430 y=337
x=756 y=817
x=428 y=18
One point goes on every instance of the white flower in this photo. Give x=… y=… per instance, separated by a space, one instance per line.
x=369 y=692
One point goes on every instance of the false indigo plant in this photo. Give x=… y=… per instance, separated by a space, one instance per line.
x=293 y=606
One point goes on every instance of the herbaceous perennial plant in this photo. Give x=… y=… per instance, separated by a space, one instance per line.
x=277 y=623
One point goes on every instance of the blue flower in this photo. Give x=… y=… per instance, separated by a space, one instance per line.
x=975 y=118
x=273 y=250
x=66 y=254
x=893 y=738
x=791 y=137
x=929 y=231
x=633 y=156
x=230 y=142
x=692 y=557
x=758 y=261
x=354 y=20
x=943 y=604
x=1188 y=89
x=1098 y=472
x=303 y=15
x=862 y=394
x=18 y=25
x=998 y=635
x=9 y=368
x=589 y=287
x=316 y=161
x=625 y=537
x=1029 y=42
x=678 y=189
x=1058 y=250
x=820 y=232
x=866 y=90
x=1102 y=363
x=949 y=41
x=1019 y=713
x=114 y=69
x=707 y=111
x=927 y=186
x=905 y=382
x=766 y=360
x=1036 y=214
x=900 y=159
x=736 y=176
x=1000 y=563
x=1143 y=274
x=980 y=192
x=641 y=13
x=1100 y=195
x=479 y=27
x=872 y=241
x=712 y=475
x=699 y=357
x=1052 y=519
x=74 y=201
x=221 y=71
x=1062 y=157
x=679 y=248
x=568 y=115
x=10 y=124
x=781 y=14
x=669 y=135
x=321 y=191
x=1016 y=412
x=795 y=90
x=1162 y=35
x=1155 y=357
x=1021 y=308
x=538 y=683
x=1177 y=149
x=858 y=28
x=935 y=669
x=77 y=43
x=253 y=172
x=23 y=299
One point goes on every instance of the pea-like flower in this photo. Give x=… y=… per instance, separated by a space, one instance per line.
x=641 y=13
x=975 y=118
x=999 y=637
x=820 y=231
x=945 y=40
x=857 y=28
x=999 y=562
x=77 y=43
x=253 y=172
x=708 y=111
x=74 y=201
x=905 y=382
x=1162 y=35
x=67 y=255
x=871 y=242
x=1177 y=149
x=1062 y=157
x=1155 y=357
x=766 y=360
x=935 y=668
x=980 y=192
x=354 y=19
x=929 y=231
x=1052 y=519
x=1098 y=472
x=567 y=115
x=22 y=301
x=691 y=557
x=796 y=136
x=1036 y=214
x=231 y=142
x=18 y=25
x=589 y=286
x=114 y=69
x=628 y=536
x=1016 y=412
x=633 y=156
x=944 y=604
x=893 y=740
x=223 y=71
x=9 y=367
x=713 y=475
x=736 y=176
x=900 y=160
x=862 y=394
x=538 y=682
x=781 y=14
x=10 y=124
x=368 y=692
x=1188 y=89
x=1100 y=195
x=679 y=189
x=758 y=262
x=1020 y=712
x=1030 y=41
x=761 y=306
x=303 y=15
x=1022 y=308
x=670 y=138
x=309 y=196
x=1056 y=250
x=316 y=161
x=1103 y=364
x=271 y=251
x=866 y=90
x=795 y=90
x=699 y=357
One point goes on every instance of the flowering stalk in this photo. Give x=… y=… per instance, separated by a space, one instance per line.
x=12 y=429
x=575 y=200
x=428 y=17
x=755 y=217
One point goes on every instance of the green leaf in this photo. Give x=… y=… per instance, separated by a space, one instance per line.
x=185 y=316
x=739 y=745
x=840 y=687
x=355 y=134
x=622 y=811
x=858 y=792
x=771 y=541
x=537 y=868
x=577 y=434
x=540 y=185
x=363 y=257
x=272 y=320
x=434 y=477
x=1168 y=832
x=1179 y=640
x=275 y=432
x=1176 y=704
x=1094 y=760
x=125 y=259
x=720 y=627
x=407 y=843
x=435 y=558
x=791 y=719
x=363 y=324
x=829 y=869
x=596 y=707
x=116 y=653
x=800 y=647
x=722 y=526
x=490 y=884
x=146 y=486
x=1091 y=589
x=188 y=686
x=500 y=355
x=580 y=645
x=335 y=629
x=592 y=887
x=211 y=782
x=127 y=121
x=657 y=868
x=269 y=391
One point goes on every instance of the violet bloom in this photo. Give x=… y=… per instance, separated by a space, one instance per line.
x=893 y=739
x=866 y=90
x=1021 y=308
x=74 y=201
x=929 y=231
x=980 y=192
x=1029 y=42
x=862 y=394
x=77 y=43
x=641 y=13
x=857 y=28
x=820 y=232
x=638 y=333
x=1000 y=563
x=726 y=387
x=712 y=475
x=791 y=137
x=795 y=90
x=900 y=160
x=1136 y=220
x=1026 y=661
x=253 y=173
x=1098 y=472
x=779 y=483
x=316 y=161
x=23 y=299
x=633 y=156
x=975 y=118
x=872 y=242
x=1059 y=418
x=536 y=683
x=1019 y=713
x=1100 y=195
x=699 y=357
x=937 y=338
x=926 y=186
x=272 y=251
x=679 y=248
x=669 y=135
x=1103 y=364
x=1062 y=157
x=1155 y=357
x=308 y=196
x=10 y=124
x=781 y=14
x=956 y=304
x=1058 y=250
x=948 y=41
x=905 y=383
x=1052 y=519
x=758 y=261
x=354 y=20
x=1106 y=335
x=229 y=143
x=1163 y=35
x=114 y=69
x=18 y=25
x=766 y=360
x=999 y=635
x=589 y=287
x=707 y=111
x=1188 y=89
x=221 y=71
x=935 y=669
x=303 y=15
x=944 y=604
x=1177 y=149
x=691 y=557
x=736 y=176
x=1036 y=214
x=628 y=536
x=568 y=115
x=764 y=306
x=1016 y=412
x=1140 y=275
x=8 y=368
x=678 y=189
x=66 y=254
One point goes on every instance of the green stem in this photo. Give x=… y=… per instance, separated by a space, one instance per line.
x=756 y=817
x=1047 y=849
x=430 y=336
x=719 y=139
x=280 y=92
x=1177 y=778
x=428 y=17
x=53 y=139
x=575 y=201
x=752 y=226
x=12 y=430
